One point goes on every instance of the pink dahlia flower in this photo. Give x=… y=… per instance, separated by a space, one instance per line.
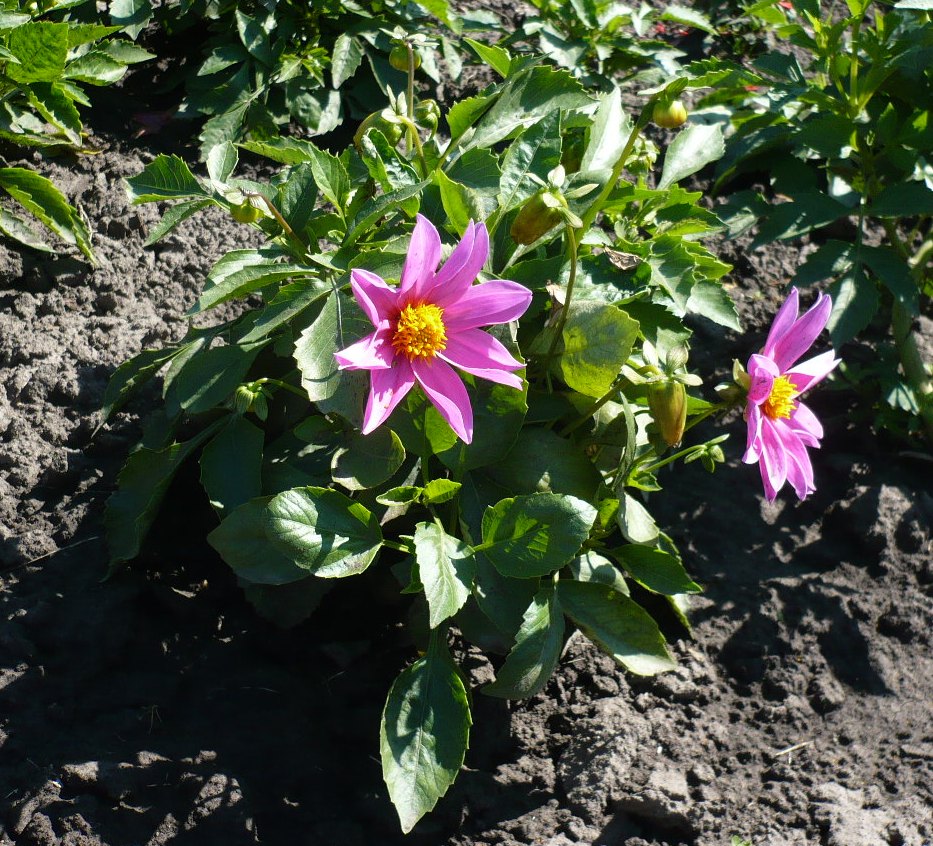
x=430 y=324
x=780 y=426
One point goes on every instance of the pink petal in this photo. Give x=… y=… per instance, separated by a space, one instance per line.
x=448 y=395
x=753 y=440
x=387 y=389
x=479 y=354
x=799 y=468
x=456 y=276
x=374 y=352
x=812 y=371
x=773 y=459
x=806 y=425
x=376 y=298
x=762 y=372
x=800 y=337
x=498 y=301
x=783 y=321
x=424 y=252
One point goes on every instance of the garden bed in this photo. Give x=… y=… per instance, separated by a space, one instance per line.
x=156 y=707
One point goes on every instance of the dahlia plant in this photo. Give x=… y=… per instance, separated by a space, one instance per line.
x=461 y=359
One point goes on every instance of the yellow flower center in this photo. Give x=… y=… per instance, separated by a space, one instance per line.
x=780 y=402
x=420 y=331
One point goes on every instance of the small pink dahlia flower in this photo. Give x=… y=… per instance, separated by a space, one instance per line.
x=780 y=426
x=430 y=322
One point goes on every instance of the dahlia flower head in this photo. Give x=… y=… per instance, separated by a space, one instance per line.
x=780 y=426
x=430 y=324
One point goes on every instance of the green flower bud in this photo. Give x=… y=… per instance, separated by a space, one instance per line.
x=245 y=212
x=427 y=114
x=537 y=217
x=377 y=120
x=669 y=115
x=668 y=404
x=398 y=58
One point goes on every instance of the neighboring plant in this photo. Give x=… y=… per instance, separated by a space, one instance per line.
x=268 y=64
x=508 y=497
x=603 y=42
x=846 y=141
x=46 y=60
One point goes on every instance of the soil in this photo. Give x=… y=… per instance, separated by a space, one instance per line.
x=157 y=708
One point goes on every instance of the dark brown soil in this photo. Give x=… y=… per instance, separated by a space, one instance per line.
x=157 y=708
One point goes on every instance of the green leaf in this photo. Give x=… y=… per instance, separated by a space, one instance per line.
x=536 y=652
x=535 y=534
x=608 y=134
x=242 y=272
x=366 y=461
x=593 y=567
x=597 y=341
x=255 y=36
x=221 y=162
x=131 y=15
x=424 y=734
x=288 y=151
x=807 y=211
x=712 y=301
x=903 y=200
x=440 y=490
x=242 y=542
x=345 y=58
x=17 y=228
x=323 y=531
x=617 y=625
x=446 y=570
x=894 y=273
x=694 y=147
x=289 y=301
x=464 y=113
x=401 y=495
x=688 y=17
x=165 y=178
x=141 y=487
x=379 y=207
x=496 y=57
x=636 y=524
x=209 y=377
x=41 y=48
x=540 y=461
x=461 y=204
x=54 y=104
x=231 y=464
x=40 y=197
x=130 y=376
x=525 y=99
x=656 y=570
x=855 y=302
x=421 y=427
x=535 y=152
x=96 y=68
x=315 y=347
x=331 y=177
x=502 y=600
x=287 y=605
x=173 y=216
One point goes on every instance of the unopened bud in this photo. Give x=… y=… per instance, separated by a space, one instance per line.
x=536 y=218
x=427 y=114
x=668 y=404
x=398 y=58
x=669 y=115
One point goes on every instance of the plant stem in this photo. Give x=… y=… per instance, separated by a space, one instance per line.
x=419 y=150
x=266 y=380
x=562 y=318
x=606 y=397
x=278 y=217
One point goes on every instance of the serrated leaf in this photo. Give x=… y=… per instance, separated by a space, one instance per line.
x=221 y=162
x=609 y=133
x=289 y=301
x=446 y=570
x=461 y=204
x=95 y=68
x=165 y=178
x=51 y=101
x=617 y=625
x=424 y=734
x=323 y=531
x=535 y=152
x=694 y=147
x=536 y=534
x=131 y=15
x=231 y=465
x=242 y=272
x=597 y=341
x=366 y=461
x=242 y=542
x=688 y=17
x=536 y=652
x=345 y=58
x=855 y=302
x=41 y=48
x=712 y=301
x=440 y=490
x=40 y=197
x=496 y=57
x=173 y=216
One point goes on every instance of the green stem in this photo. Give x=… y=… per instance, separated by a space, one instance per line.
x=562 y=318
x=413 y=135
x=606 y=397
x=266 y=380
x=397 y=546
x=651 y=468
x=278 y=217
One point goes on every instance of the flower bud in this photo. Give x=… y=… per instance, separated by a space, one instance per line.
x=245 y=212
x=668 y=404
x=392 y=130
x=535 y=219
x=427 y=114
x=398 y=58
x=669 y=115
